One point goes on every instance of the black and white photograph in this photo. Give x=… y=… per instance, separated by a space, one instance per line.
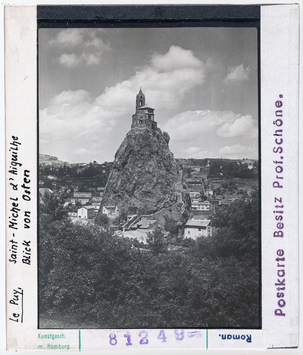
x=149 y=208
x=151 y=177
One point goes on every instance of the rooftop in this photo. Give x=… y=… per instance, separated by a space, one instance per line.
x=200 y=203
x=145 y=107
x=197 y=223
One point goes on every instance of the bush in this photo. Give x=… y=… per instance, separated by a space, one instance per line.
x=89 y=278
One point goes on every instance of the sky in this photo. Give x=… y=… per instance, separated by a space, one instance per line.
x=202 y=83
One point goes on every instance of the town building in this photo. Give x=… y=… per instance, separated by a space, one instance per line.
x=138 y=227
x=96 y=205
x=209 y=192
x=200 y=206
x=194 y=194
x=195 y=228
x=139 y=222
x=86 y=212
x=110 y=211
x=82 y=194
x=81 y=200
x=52 y=177
x=97 y=199
x=191 y=182
x=144 y=116
x=129 y=221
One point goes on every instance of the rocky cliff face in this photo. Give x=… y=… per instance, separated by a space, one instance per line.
x=146 y=177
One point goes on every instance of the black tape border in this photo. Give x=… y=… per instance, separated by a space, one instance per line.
x=147 y=15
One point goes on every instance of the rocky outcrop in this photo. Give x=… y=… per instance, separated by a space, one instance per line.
x=145 y=177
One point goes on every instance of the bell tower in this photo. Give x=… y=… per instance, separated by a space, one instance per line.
x=144 y=116
x=140 y=100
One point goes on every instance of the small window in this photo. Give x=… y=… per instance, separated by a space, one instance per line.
x=188 y=232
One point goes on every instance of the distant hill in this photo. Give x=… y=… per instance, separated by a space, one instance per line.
x=45 y=159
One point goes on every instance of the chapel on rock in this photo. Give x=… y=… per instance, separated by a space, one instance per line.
x=144 y=116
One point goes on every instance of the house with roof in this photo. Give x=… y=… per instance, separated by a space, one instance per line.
x=110 y=211
x=81 y=200
x=86 y=212
x=138 y=227
x=194 y=194
x=97 y=199
x=83 y=195
x=130 y=219
x=195 y=228
x=96 y=205
x=143 y=222
x=200 y=206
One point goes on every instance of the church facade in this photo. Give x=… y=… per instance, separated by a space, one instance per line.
x=144 y=116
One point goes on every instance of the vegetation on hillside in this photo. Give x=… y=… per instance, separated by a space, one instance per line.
x=92 y=174
x=228 y=168
x=91 y=279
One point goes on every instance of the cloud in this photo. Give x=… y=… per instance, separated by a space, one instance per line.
x=175 y=58
x=68 y=37
x=237 y=74
x=238 y=126
x=70 y=97
x=78 y=39
x=73 y=37
x=190 y=125
x=69 y=60
x=73 y=124
x=164 y=82
x=73 y=60
x=212 y=134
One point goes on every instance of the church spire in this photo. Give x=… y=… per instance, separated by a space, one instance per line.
x=140 y=99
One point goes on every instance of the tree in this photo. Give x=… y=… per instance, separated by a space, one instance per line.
x=238 y=229
x=121 y=218
x=52 y=204
x=171 y=226
x=157 y=241
x=203 y=197
x=188 y=172
x=102 y=220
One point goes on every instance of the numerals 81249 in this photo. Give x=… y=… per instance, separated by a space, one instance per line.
x=179 y=335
